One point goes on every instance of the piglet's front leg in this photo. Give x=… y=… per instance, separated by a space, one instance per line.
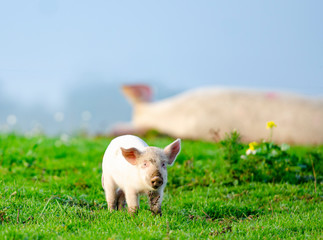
x=155 y=200
x=132 y=200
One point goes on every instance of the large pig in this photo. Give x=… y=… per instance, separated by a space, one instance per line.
x=210 y=113
x=130 y=167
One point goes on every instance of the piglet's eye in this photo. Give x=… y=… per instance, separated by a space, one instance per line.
x=145 y=164
x=163 y=165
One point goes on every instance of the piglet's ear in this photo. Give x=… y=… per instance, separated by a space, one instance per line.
x=172 y=150
x=131 y=155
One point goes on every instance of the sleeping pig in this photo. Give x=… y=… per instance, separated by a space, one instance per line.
x=130 y=167
x=210 y=113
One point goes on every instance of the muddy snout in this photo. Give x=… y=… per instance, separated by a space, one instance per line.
x=156 y=180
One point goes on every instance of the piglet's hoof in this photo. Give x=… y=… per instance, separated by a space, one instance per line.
x=156 y=213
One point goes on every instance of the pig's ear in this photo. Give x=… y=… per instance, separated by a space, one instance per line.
x=172 y=150
x=138 y=93
x=131 y=155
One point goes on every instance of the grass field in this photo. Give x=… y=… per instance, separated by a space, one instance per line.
x=51 y=189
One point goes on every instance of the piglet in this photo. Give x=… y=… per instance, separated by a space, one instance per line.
x=130 y=167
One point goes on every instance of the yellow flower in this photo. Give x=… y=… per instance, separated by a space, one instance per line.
x=252 y=146
x=271 y=124
x=251 y=149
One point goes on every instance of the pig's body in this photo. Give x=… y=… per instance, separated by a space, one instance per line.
x=130 y=167
x=195 y=113
x=117 y=169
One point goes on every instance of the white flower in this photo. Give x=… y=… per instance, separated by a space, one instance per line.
x=249 y=151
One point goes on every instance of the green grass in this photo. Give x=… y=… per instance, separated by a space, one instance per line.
x=51 y=189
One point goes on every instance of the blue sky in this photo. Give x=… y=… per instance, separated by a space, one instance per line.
x=48 y=47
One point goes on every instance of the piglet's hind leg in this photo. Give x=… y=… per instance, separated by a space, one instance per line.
x=121 y=199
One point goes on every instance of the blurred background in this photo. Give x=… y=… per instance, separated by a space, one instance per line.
x=62 y=62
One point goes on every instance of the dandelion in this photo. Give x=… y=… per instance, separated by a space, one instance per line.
x=251 y=149
x=252 y=145
x=271 y=124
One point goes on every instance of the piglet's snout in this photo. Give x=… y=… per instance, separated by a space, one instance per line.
x=156 y=181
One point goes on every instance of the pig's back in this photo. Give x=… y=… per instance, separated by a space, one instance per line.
x=194 y=114
x=127 y=141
